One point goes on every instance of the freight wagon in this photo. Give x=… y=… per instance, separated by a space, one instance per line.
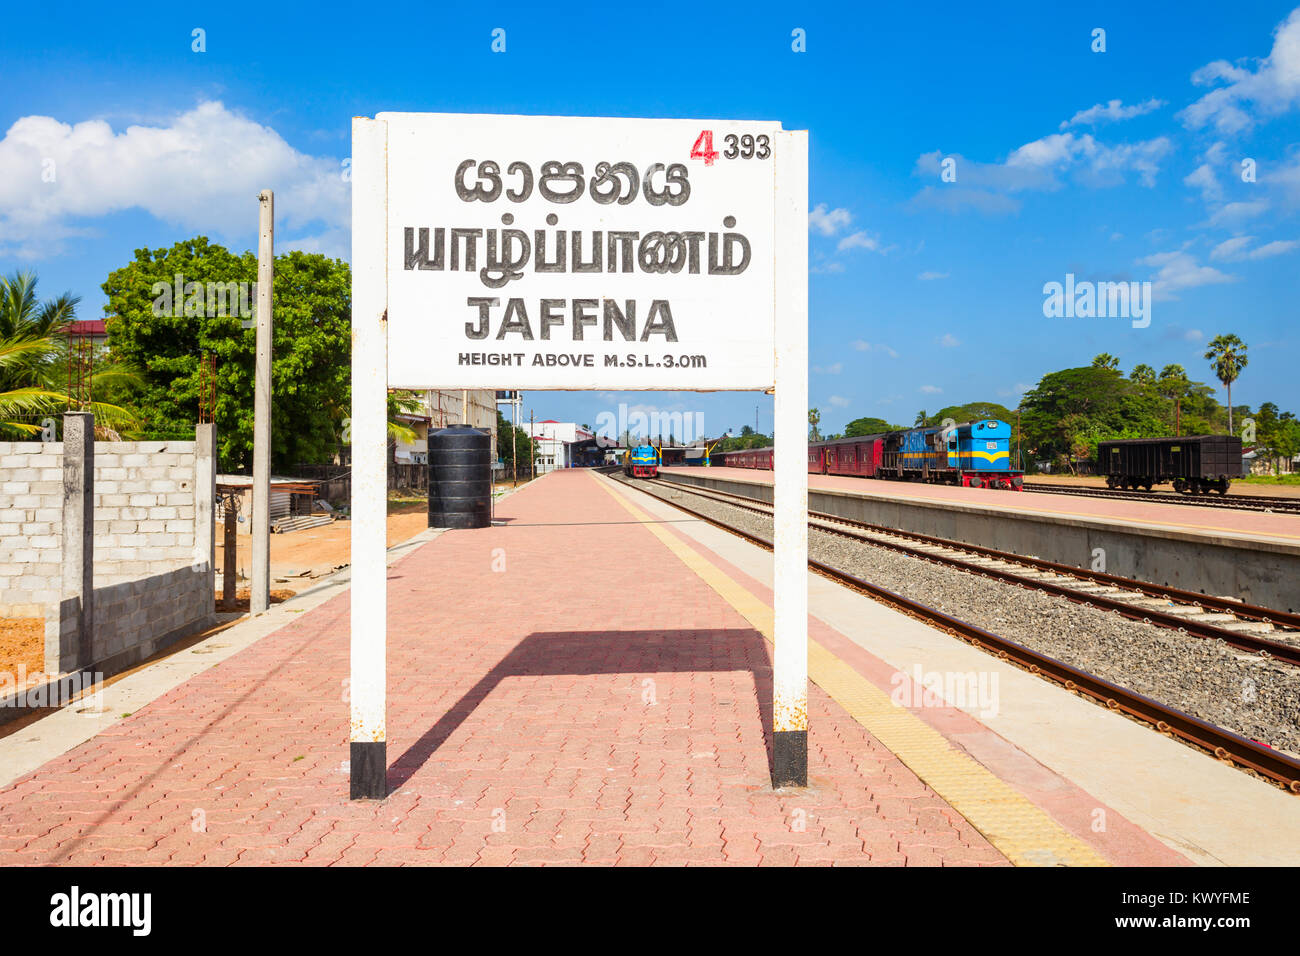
x=1196 y=464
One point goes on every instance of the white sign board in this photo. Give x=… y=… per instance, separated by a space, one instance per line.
x=578 y=253
x=559 y=253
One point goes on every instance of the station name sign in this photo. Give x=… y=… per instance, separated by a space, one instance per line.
x=579 y=253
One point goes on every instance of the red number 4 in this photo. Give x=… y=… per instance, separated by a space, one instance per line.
x=703 y=148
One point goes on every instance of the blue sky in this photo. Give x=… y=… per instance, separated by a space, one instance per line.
x=1122 y=164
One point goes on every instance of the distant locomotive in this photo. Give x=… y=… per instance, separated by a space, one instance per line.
x=973 y=455
x=1196 y=464
x=641 y=462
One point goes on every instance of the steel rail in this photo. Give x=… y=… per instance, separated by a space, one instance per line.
x=1282 y=651
x=1223 y=744
x=1262 y=503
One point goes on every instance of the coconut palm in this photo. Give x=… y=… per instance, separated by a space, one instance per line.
x=1227 y=357
x=1105 y=360
x=1142 y=375
x=814 y=419
x=1173 y=385
x=33 y=359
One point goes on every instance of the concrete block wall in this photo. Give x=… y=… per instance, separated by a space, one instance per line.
x=149 y=581
x=31 y=527
x=152 y=553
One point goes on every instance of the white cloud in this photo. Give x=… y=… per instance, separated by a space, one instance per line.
x=200 y=170
x=1235 y=249
x=1233 y=214
x=839 y=401
x=828 y=222
x=949 y=341
x=864 y=346
x=1193 y=335
x=1203 y=178
x=931 y=276
x=1041 y=164
x=953 y=198
x=1179 y=270
x=1272 y=88
x=930 y=390
x=1112 y=112
x=827 y=268
x=859 y=240
x=834 y=369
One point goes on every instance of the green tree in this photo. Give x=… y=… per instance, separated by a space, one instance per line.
x=1227 y=357
x=508 y=450
x=1105 y=360
x=867 y=426
x=921 y=419
x=973 y=412
x=34 y=361
x=311 y=348
x=814 y=419
x=1143 y=375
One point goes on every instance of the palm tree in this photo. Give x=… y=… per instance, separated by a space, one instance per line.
x=1105 y=360
x=814 y=419
x=33 y=366
x=21 y=316
x=27 y=351
x=1173 y=385
x=1227 y=357
x=1142 y=375
x=921 y=418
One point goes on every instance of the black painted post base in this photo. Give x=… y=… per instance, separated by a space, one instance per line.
x=369 y=767
x=790 y=758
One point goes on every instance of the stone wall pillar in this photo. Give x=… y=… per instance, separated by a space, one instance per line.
x=77 y=604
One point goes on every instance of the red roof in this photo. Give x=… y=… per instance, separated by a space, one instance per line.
x=87 y=327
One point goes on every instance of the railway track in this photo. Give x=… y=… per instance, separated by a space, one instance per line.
x=1266 y=503
x=1084 y=587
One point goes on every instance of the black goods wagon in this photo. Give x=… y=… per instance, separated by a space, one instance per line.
x=1196 y=464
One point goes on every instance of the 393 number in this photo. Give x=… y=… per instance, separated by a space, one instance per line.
x=738 y=146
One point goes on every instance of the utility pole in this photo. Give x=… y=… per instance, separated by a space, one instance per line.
x=260 y=586
x=514 y=438
x=1019 y=462
x=532 y=454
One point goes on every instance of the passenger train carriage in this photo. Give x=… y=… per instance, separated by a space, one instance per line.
x=974 y=455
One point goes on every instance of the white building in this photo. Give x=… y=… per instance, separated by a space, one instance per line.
x=551 y=441
x=441 y=408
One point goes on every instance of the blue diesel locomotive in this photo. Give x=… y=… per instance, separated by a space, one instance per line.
x=641 y=462
x=973 y=455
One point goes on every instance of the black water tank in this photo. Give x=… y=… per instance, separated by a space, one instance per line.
x=460 y=478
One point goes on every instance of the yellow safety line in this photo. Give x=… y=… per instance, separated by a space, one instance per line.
x=1018 y=828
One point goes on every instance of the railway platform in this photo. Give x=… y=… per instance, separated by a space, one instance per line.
x=589 y=682
x=1252 y=556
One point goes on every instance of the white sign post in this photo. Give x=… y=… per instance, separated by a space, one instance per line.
x=574 y=253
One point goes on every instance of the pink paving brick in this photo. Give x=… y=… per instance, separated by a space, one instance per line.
x=595 y=702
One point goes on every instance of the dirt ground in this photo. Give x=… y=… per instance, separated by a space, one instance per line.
x=22 y=642
x=1238 y=487
x=300 y=556
x=297 y=558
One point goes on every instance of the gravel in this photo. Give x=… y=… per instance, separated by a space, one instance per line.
x=1252 y=696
